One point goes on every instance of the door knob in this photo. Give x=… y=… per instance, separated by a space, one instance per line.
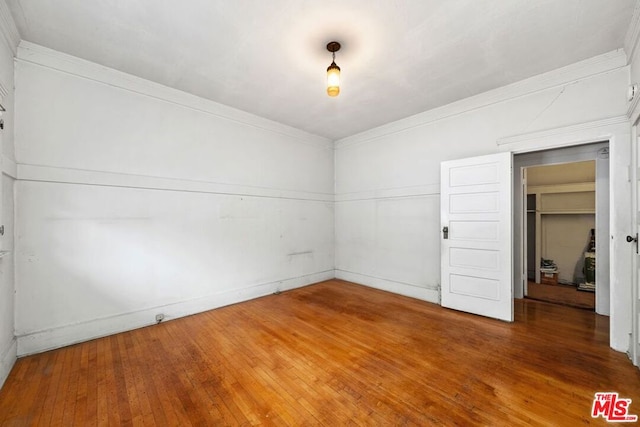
x=445 y=232
x=633 y=239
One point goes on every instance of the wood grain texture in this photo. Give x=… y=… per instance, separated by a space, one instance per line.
x=562 y=294
x=333 y=353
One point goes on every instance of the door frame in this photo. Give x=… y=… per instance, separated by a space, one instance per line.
x=634 y=344
x=617 y=131
x=565 y=155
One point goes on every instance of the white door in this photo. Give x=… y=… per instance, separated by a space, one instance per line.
x=476 y=234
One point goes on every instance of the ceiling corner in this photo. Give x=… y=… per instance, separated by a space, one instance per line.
x=8 y=27
x=633 y=34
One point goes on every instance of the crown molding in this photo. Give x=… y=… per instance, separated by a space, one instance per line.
x=574 y=72
x=8 y=27
x=633 y=34
x=39 y=55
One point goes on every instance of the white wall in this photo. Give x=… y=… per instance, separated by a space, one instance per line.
x=8 y=42
x=388 y=179
x=136 y=199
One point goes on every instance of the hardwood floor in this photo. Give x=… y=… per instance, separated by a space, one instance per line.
x=332 y=354
x=562 y=294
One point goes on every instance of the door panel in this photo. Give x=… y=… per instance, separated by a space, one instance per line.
x=487 y=231
x=475 y=287
x=476 y=249
x=474 y=258
x=474 y=202
x=474 y=175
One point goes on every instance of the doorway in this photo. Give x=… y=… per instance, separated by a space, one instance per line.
x=557 y=210
x=560 y=223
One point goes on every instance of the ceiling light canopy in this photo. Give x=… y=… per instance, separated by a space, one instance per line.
x=333 y=71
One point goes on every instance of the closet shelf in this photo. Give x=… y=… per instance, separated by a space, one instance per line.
x=570 y=212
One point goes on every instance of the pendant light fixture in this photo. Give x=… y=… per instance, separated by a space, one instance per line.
x=333 y=71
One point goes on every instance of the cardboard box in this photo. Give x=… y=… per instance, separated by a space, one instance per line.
x=549 y=278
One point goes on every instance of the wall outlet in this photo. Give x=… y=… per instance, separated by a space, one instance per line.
x=159 y=317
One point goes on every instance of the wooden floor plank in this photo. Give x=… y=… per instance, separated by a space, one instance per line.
x=92 y=383
x=103 y=371
x=83 y=385
x=333 y=353
x=31 y=368
x=562 y=294
x=72 y=398
x=144 y=381
x=55 y=370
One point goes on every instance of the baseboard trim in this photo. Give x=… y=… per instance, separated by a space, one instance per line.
x=7 y=360
x=413 y=291
x=39 y=341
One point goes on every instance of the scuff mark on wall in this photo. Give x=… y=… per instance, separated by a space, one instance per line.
x=300 y=253
x=549 y=105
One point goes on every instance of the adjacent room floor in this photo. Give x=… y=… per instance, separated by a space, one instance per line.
x=334 y=353
x=562 y=294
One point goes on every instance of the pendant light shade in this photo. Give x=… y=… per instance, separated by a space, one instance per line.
x=333 y=71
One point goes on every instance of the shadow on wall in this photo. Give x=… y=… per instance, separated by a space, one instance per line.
x=150 y=252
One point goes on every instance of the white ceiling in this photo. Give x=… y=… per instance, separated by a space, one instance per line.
x=399 y=57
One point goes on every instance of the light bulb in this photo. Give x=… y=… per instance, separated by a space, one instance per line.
x=333 y=80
